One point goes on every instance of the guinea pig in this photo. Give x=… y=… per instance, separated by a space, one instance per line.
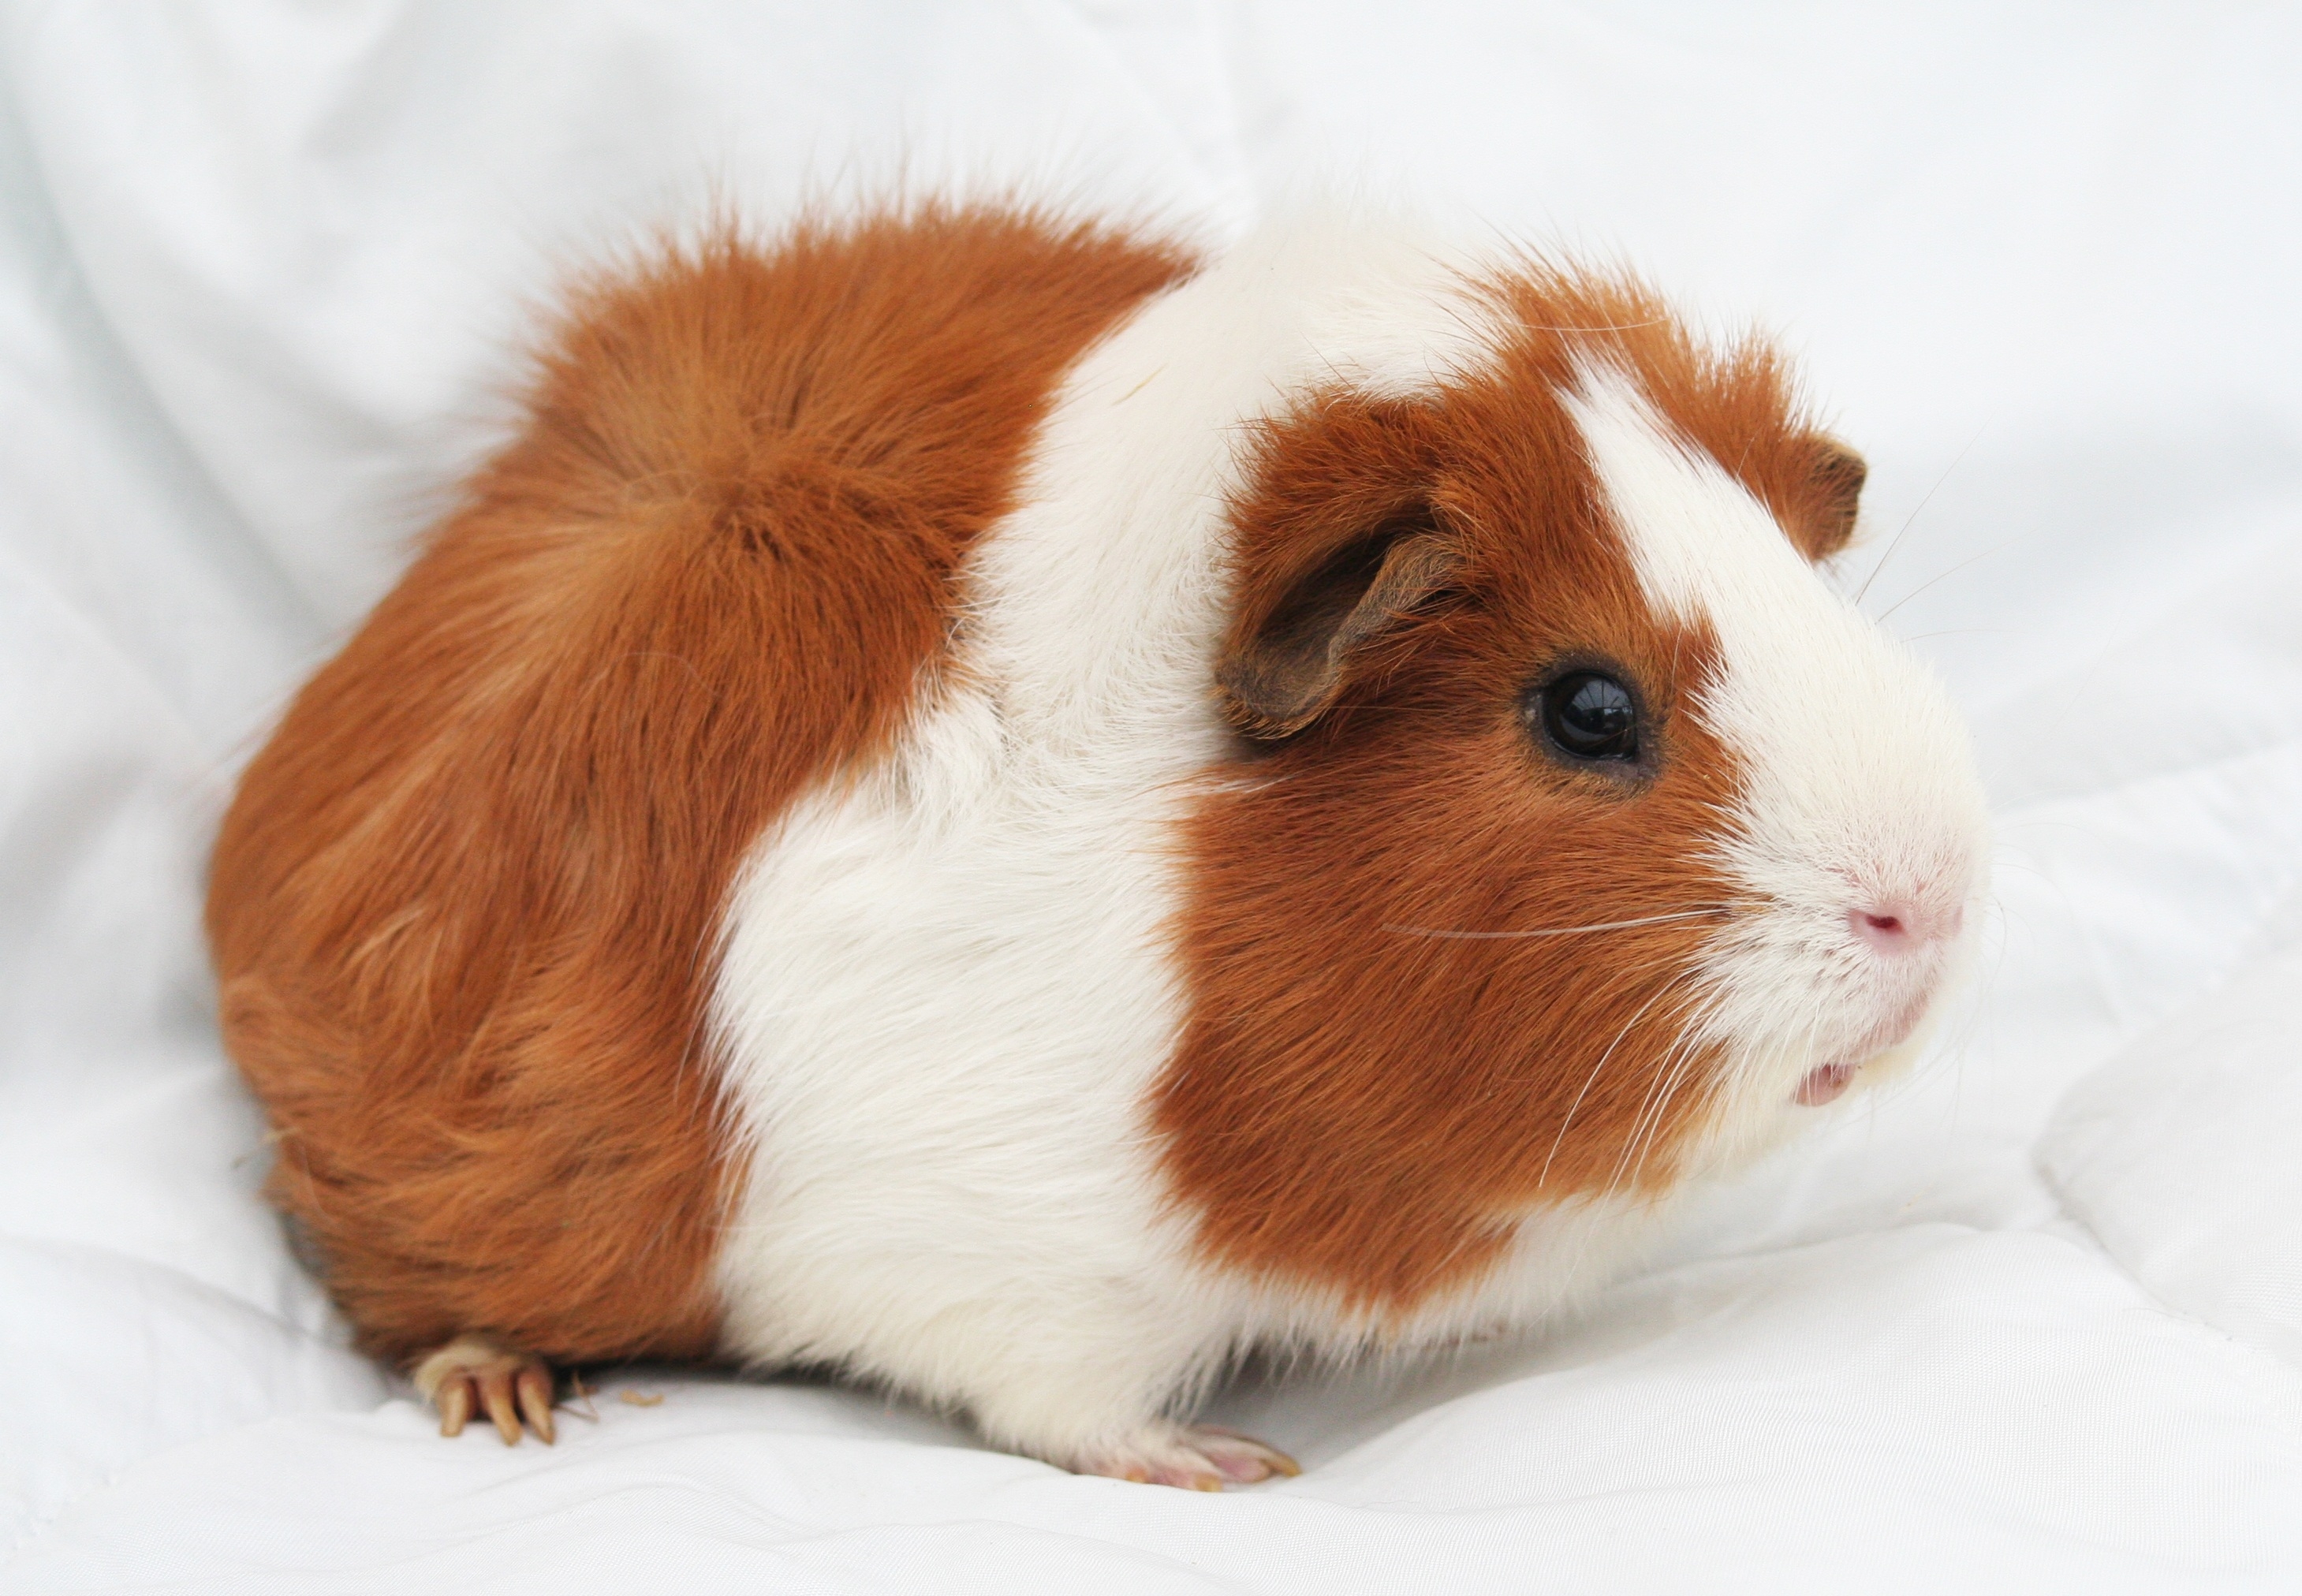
x=989 y=802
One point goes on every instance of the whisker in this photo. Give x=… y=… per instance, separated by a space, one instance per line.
x=1896 y=541
x=1676 y=1064
x=1884 y=615
x=1708 y=912
x=1543 y=1179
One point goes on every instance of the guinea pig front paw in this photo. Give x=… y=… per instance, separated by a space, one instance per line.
x=472 y=1374
x=1193 y=1457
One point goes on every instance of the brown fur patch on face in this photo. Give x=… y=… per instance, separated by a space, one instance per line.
x=1381 y=1071
x=463 y=907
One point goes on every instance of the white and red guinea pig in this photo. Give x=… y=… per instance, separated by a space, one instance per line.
x=984 y=802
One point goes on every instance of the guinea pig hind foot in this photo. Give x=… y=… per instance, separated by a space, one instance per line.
x=1193 y=1457
x=472 y=1374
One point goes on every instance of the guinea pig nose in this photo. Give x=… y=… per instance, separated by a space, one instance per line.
x=1898 y=926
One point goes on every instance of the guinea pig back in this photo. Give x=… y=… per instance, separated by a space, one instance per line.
x=983 y=802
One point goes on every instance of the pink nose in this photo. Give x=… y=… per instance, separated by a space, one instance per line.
x=1898 y=925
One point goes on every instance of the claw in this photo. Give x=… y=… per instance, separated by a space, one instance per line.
x=455 y=1406
x=496 y=1397
x=1242 y=1458
x=534 y=1386
x=1274 y=1461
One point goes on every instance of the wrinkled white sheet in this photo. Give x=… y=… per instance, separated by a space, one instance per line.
x=260 y=267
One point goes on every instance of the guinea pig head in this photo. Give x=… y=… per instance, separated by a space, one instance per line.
x=1582 y=838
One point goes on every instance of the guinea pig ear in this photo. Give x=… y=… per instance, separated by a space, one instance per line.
x=1834 y=495
x=1287 y=659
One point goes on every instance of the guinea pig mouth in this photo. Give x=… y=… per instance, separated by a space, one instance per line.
x=1824 y=1084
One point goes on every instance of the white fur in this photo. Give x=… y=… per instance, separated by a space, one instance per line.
x=1860 y=785
x=945 y=990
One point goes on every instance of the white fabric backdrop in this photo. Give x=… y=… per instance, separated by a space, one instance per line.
x=260 y=269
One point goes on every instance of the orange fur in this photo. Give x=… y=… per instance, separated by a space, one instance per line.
x=463 y=907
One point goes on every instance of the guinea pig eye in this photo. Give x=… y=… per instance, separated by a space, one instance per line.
x=1588 y=714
